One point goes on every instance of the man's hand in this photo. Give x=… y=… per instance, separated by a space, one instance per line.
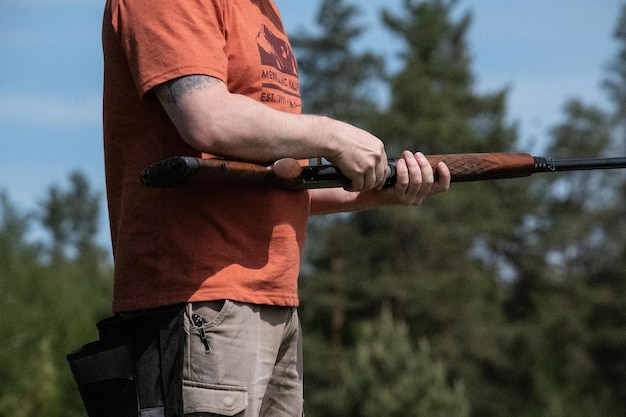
x=358 y=154
x=416 y=179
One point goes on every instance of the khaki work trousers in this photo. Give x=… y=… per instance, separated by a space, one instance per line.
x=242 y=360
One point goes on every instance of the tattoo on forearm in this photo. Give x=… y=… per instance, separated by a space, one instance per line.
x=178 y=87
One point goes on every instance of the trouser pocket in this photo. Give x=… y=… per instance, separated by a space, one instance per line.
x=223 y=400
x=210 y=387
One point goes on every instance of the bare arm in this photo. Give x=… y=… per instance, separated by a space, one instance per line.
x=213 y=120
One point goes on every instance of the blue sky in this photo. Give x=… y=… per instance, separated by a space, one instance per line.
x=50 y=74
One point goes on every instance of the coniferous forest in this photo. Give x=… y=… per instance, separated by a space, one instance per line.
x=499 y=298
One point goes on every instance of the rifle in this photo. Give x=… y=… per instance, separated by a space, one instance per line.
x=289 y=174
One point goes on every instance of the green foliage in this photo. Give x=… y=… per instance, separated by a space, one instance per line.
x=433 y=107
x=386 y=375
x=517 y=285
x=50 y=302
x=615 y=82
x=71 y=217
x=339 y=81
x=508 y=297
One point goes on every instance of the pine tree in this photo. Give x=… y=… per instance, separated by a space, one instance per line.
x=566 y=297
x=386 y=375
x=50 y=301
x=71 y=217
x=336 y=80
x=442 y=267
x=566 y=307
x=439 y=267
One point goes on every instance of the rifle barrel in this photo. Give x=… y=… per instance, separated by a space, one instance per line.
x=577 y=164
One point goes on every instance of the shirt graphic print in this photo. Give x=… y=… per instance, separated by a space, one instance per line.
x=281 y=84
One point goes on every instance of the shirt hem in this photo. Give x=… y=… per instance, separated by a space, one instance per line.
x=275 y=300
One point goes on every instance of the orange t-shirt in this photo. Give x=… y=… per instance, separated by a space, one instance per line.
x=195 y=243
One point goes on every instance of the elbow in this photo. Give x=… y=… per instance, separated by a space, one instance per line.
x=206 y=135
x=203 y=116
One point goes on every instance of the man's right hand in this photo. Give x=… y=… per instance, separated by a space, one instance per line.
x=358 y=154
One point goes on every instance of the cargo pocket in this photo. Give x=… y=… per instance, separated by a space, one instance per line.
x=225 y=400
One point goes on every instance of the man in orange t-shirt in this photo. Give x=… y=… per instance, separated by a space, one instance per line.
x=215 y=77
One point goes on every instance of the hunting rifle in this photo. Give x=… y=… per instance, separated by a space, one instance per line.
x=288 y=173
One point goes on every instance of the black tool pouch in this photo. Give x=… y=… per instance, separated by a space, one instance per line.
x=135 y=369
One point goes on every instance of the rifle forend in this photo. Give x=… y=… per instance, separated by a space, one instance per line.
x=288 y=173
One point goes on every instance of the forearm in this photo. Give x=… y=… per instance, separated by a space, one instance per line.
x=245 y=129
x=338 y=200
x=213 y=120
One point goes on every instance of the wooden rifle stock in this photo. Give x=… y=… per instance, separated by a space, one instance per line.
x=288 y=173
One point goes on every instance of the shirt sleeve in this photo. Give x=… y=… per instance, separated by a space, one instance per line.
x=167 y=39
